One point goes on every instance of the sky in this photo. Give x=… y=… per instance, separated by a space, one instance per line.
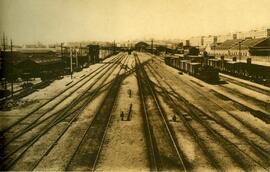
x=50 y=21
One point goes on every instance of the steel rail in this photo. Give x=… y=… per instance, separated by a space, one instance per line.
x=54 y=97
x=118 y=82
x=240 y=83
x=68 y=165
x=211 y=159
x=34 y=123
x=164 y=120
x=154 y=166
x=248 y=126
x=220 y=123
x=45 y=130
x=77 y=113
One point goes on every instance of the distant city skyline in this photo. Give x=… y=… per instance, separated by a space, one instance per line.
x=51 y=21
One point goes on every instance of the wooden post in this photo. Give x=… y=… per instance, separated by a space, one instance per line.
x=239 y=53
x=71 y=69
x=61 y=50
x=152 y=46
x=76 y=55
x=12 y=77
x=4 y=42
x=80 y=50
x=4 y=49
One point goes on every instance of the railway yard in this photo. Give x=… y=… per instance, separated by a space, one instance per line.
x=132 y=112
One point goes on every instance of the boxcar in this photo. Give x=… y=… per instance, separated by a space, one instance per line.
x=193 y=68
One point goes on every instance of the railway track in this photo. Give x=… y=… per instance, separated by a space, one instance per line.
x=23 y=92
x=234 y=152
x=259 y=108
x=36 y=115
x=258 y=102
x=252 y=86
x=252 y=111
x=244 y=84
x=164 y=152
x=88 y=77
x=45 y=128
x=70 y=114
x=253 y=129
x=181 y=112
x=263 y=154
x=21 y=129
x=263 y=107
x=86 y=155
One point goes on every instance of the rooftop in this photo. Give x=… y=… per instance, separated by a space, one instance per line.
x=247 y=43
x=228 y=44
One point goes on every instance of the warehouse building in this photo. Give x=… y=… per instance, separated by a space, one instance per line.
x=222 y=49
x=258 y=49
x=141 y=46
x=205 y=41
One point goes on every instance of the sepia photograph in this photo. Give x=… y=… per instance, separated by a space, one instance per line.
x=135 y=85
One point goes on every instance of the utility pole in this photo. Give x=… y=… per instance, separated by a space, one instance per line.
x=61 y=45
x=80 y=49
x=4 y=42
x=12 y=74
x=71 y=70
x=239 y=53
x=152 y=46
x=4 y=60
x=128 y=45
x=114 y=46
x=214 y=50
x=76 y=55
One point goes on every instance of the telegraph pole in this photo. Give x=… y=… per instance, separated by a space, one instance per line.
x=214 y=50
x=76 y=55
x=4 y=42
x=12 y=74
x=152 y=46
x=80 y=49
x=71 y=70
x=239 y=53
x=114 y=46
x=4 y=49
x=61 y=45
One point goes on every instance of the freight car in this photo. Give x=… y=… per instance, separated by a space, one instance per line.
x=249 y=71
x=195 y=68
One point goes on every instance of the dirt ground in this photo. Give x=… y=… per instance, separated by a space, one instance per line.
x=125 y=148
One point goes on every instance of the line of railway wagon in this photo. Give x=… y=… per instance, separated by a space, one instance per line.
x=207 y=68
x=194 y=65
x=249 y=71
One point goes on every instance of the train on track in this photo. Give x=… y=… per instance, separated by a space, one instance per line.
x=248 y=71
x=207 y=67
x=194 y=65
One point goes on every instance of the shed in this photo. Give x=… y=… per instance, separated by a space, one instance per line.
x=141 y=46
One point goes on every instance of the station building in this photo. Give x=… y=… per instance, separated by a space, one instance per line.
x=141 y=46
